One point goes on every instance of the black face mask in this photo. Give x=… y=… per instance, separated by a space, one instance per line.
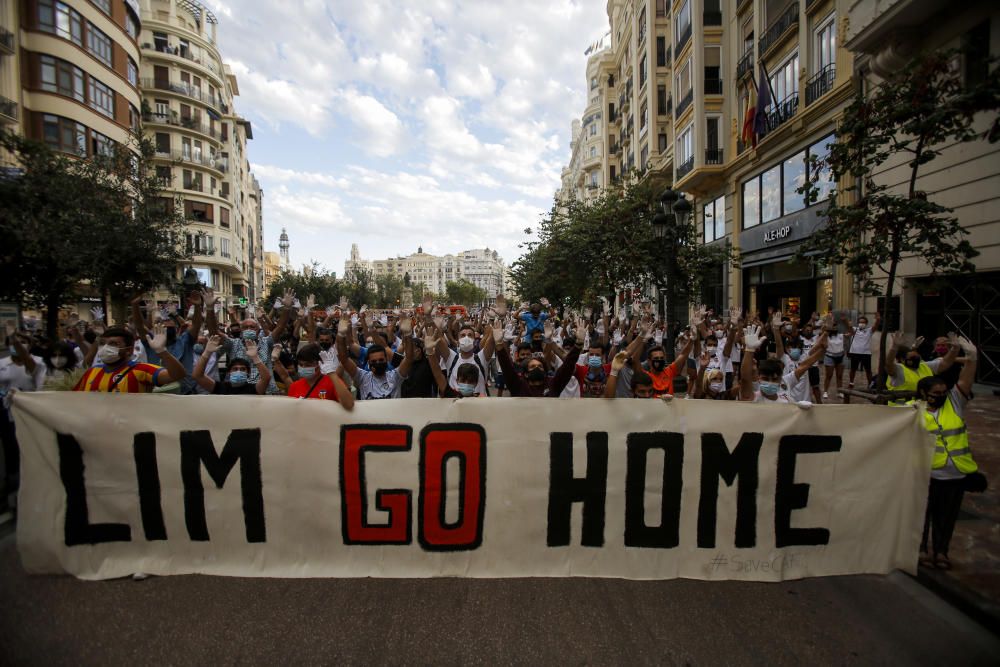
x=913 y=362
x=658 y=364
x=378 y=367
x=536 y=375
x=536 y=345
x=325 y=345
x=935 y=402
x=234 y=333
x=171 y=335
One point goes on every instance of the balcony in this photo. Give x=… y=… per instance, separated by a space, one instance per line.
x=779 y=29
x=713 y=86
x=212 y=162
x=713 y=156
x=684 y=103
x=778 y=114
x=202 y=252
x=187 y=91
x=6 y=41
x=685 y=168
x=180 y=121
x=183 y=53
x=8 y=109
x=615 y=149
x=745 y=65
x=682 y=41
x=711 y=18
x=820 y=84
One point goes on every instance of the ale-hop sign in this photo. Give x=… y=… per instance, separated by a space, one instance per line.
x=265 y=486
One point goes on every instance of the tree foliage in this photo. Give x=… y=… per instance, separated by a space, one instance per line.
x=65 y=221
x=905 y=122
x=588 y=250
x=464 y=292
x=358 y=286
x=388 y=291
x=316 y=281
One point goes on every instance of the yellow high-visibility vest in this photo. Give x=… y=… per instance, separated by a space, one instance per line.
x=951 y=439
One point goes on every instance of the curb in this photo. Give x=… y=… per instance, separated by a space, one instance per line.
x=984 y=611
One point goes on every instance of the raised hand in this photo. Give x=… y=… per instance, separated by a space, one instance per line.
x=619 y=362
x=735 y=315
x=581 y=331
x=508 y=331
x=327 y=361
x=968 y=347
x=208 y=298
x=405 y=326
x=548 y=328
x=658 y=337
x=752 y=339
x=158 y=338
x=251 y=348
x=698 y=315
x=344 y=327
x=776 y=321
x=310 y=302
x=171 y=309
x=98 y=313
x=275 y=352
x=544 y=302
x=288 y=298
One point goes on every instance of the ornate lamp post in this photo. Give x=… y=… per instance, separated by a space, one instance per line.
x=676 y=209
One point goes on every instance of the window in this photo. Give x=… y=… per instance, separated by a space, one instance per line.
x=682 y=21
x=133 y=117
x=685 y=145
x=785 y=80
x=192 y=181
x=661 y=51
x=133 y=72
x=224 y=216
x=715 y=220
x=196 y=210
x=224 y=247
x=593 y=84
x=792 y=178
x=131 y=23
x=225 y=131
x=59 y=76
x=976 y=54
x=712 y=133
x=164 y=177
x=102 y=98
x=684 y=78
x=63 y=134
x=200 y=244
x=661 y=100
x=593 y=129
x=99 y=44
x=163 y=143
x=593 y=151
x=101 y=145
x=661 y=7
x=60 y=19
x=770 y=194
x=751 y=203
x=104 y=5
x=644 y=157
x=642 y=71
x=825 y=183
x=643 y=117
x=661 y=142
x=826 y=44
x=160 y=41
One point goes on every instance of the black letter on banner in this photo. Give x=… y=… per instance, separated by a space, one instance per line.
x=78 y=529
x=637 y=533
x=243 y=445
x=717 y=461
x=790 y=496
x=564 y=489
x=148 y=475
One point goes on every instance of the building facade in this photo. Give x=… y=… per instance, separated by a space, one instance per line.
x=482 y=267
x=10 y=73
x=272 y=267
x=201 y=146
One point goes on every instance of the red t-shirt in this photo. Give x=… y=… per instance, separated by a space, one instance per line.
x=324 y=389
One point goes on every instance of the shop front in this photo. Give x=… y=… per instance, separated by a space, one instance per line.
x=773 y=278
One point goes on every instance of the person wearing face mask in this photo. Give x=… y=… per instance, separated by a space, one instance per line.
x=421 y=382
x=640 y=383
x=249 y=329
x=861 y=351
x=60 y=363
x=211 y=368
x=713 y=387
x=905 y=368
x=180 y=345
x=237 y=374
x=795 y=372
x=319 y=379
x=773 y=382
x=19 y=371
x=466 y=354
x=379 y=381
x=953 y=469
x=468 y=380
x=118 y=373
x=535 y=382
x=534 y=318
x=940 y=350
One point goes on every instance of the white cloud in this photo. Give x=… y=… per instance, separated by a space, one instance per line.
x=382 y=132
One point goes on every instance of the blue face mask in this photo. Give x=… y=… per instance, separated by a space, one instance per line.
x=307 y=371
x=198 y=348
x=238 y=378
x=466 y=389
x=594 y=361
x=795 y=354
x=250 y=334
x=769 y=388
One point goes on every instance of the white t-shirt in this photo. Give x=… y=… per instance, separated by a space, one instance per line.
x=835 y=345
x=807 y=345
x=483 y=367
x=798 y=390
x=898 y=378
x=16 y=376
x=861 y=343
x=371 y=387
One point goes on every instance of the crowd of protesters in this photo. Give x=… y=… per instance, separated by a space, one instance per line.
x=343 y=354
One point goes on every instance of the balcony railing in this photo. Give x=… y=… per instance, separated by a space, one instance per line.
x=685 y=36
x=203 y=252
x=186 y=90
x=820 y=84
x=8 y=108
x=711 y=18
x=180 y=121
x=780 y=113
x=6 y=41
x=685 y=168
x=182 y=53
x=778 y=29
x=745 y=65
x=216 y=162
x=713 y=156
x=684 y=103
x=713 y=86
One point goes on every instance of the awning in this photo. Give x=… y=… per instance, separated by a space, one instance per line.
x=212 y=114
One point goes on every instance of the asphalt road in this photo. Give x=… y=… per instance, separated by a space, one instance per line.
x=55 y=620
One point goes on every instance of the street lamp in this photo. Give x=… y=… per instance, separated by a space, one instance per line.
x=676 y=209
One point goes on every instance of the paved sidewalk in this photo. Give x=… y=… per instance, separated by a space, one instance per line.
x=974 y=581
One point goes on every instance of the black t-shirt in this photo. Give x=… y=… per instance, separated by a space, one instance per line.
x=421 y=383
x=226 y=389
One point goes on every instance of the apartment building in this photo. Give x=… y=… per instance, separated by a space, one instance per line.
x=482 y=267
x=10 y=73
x=966 y=177
x=201 y=146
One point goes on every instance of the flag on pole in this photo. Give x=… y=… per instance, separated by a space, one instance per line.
x=763 y=102
x=747 y=135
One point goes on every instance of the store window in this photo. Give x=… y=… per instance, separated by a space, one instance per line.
x=825 y=184
x=793 y=177
x=774 y=193
x=751 y=203
x=770 y=194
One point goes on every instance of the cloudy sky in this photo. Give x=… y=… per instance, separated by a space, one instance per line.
x=390 y=125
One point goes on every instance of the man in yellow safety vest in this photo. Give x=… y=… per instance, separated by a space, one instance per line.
x=905 y=368
x=943 y=417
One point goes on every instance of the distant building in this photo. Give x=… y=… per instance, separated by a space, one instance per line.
x=272 y=267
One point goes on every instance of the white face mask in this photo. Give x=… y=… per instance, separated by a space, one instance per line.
x=711 y=351
x=108 y=353
x=717 y=387
x=465 y=344
x=862 y=326
x=59 y=362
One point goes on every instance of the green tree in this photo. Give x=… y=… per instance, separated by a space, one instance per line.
x=464 y=292
x=388 y=291
x=908 y=120
x=358 y=287
x=316 y=281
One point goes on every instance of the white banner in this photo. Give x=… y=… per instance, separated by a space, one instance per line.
x=265 y=486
